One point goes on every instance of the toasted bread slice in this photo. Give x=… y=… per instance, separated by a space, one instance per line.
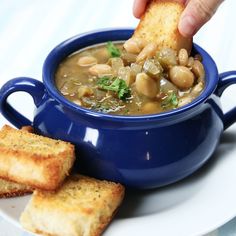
x=159 y=24
x=83 y=206
x=11 y=189
x=34 y=160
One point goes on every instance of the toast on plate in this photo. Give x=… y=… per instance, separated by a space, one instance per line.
x=34 y=160
x=83 y=206
x=10 y=189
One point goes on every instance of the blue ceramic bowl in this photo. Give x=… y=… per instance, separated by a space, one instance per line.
x=139 y=151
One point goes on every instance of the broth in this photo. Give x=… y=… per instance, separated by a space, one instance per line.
x=130 y=79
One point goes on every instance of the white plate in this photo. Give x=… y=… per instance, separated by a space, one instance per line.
x=194 y=206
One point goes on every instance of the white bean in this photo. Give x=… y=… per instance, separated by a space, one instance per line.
x=100 y=70
x=181 y=76
x=146 y=85
x=197 y=89
x=148 y=51
x=134 y=45
x=183 y=57
x=87 y=61
x=190 y=62
x=198 y=70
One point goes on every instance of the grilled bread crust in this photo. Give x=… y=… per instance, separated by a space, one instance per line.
x=28 y=128
x=10 y=189
x=83 y=206
x=159 y=24
x=34 y=160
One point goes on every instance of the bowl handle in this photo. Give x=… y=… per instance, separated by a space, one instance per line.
x=34 y=87
x=226 y=79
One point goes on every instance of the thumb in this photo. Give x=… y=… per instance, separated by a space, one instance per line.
x=196 y=14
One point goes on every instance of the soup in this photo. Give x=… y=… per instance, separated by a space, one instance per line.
x=130 y=78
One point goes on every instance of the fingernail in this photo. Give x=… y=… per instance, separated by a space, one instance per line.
x=187 y=26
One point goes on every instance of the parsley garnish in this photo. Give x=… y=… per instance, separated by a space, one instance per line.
x=170 y=101
x=104 y=81
x=113 y=50
x=116 y=85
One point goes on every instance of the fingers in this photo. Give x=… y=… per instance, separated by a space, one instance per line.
x=196 y=13
x=139 y=7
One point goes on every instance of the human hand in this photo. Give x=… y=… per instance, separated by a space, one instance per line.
x=194 y=16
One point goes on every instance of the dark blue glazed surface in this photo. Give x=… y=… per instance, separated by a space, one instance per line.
x=138 y=151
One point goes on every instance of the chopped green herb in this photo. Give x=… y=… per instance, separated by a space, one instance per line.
x=170 y=101
x=104 y=81
x=113 y=50
x=126 y=111
x=116 y=85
